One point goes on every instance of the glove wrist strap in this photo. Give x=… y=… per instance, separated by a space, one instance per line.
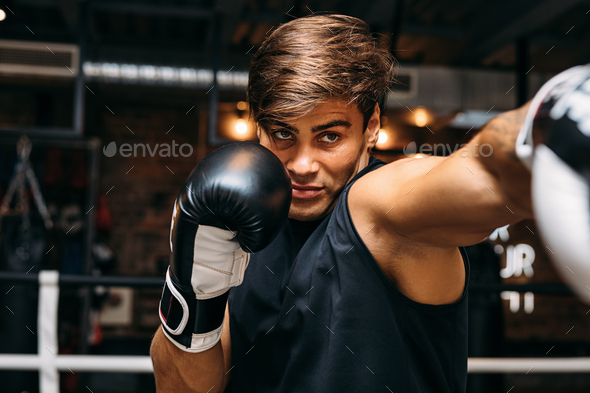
x=193 y=325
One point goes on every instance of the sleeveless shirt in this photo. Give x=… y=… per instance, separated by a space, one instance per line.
x=315 y=313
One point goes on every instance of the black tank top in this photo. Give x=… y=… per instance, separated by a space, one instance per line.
x=319 y=315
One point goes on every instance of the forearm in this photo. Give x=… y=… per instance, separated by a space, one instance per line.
x=513 y=177
x=179 y=371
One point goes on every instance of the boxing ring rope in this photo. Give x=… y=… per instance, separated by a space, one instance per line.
x=49 y=363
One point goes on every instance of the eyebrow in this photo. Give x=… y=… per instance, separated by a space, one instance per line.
x=321 y=127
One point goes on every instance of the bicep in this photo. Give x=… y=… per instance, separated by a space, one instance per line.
x=226 y=347
x=444 y=201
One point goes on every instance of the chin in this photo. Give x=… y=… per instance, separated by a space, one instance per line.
x=311 y=213
x=303 y=217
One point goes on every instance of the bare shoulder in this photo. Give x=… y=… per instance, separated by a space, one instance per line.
x=402 y=168
x=423 y=272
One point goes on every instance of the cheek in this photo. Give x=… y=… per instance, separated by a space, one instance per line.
x=282 y=155
x=341 y=169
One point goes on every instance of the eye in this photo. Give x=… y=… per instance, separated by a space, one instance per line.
x=281 y=135
x=333 y=138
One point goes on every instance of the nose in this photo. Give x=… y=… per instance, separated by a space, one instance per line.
x=303 y=163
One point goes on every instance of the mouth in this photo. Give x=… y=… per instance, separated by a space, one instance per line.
x=305 y=192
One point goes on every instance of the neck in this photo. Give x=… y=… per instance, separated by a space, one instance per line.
x=363 y=161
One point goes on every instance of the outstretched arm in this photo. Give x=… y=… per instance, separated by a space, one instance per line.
x=456 y=200
x=512 y=176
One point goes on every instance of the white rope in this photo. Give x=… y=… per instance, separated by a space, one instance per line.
x=47 y=347
x=79 y=363
x=143 y=364
x=529 y=365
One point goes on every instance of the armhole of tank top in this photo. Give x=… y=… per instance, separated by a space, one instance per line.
x=373 y=263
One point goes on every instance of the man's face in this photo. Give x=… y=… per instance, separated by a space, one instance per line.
x=324 y=149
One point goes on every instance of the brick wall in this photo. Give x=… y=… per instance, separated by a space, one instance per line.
x=141 y=188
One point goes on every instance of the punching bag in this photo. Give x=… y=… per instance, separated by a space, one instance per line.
x=22 y=248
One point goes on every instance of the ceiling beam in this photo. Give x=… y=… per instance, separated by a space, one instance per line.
x=231 y=10
x=147 y=52
x=263 y=17
x=562 y=41
x=39 y=3
x=69 y=10
x=196 y=12
x=379 y=13
x=537 y=17
x=432 y=31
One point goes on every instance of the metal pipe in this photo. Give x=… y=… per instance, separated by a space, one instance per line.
x=79 y=93
x=212 y=137
x=522 y=65
x=72 y=280
x=396 y=22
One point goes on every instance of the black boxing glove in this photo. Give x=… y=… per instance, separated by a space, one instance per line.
x=554 y=143
x=233 y=204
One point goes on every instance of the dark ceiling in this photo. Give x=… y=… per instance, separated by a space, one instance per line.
x=549 y=35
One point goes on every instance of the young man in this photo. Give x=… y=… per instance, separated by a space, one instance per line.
x=364 y=288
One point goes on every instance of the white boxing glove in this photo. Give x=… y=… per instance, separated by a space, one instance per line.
x=554 y=143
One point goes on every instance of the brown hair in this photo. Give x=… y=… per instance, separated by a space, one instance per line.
x=315 y=58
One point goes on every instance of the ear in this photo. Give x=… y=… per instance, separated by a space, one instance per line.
x=258 y=131
x=372 y=131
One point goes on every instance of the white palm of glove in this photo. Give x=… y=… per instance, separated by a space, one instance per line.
x=560 y=199
x=219 y=262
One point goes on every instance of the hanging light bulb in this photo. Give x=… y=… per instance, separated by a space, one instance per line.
x=421 y=117
x=241 y=127
x=382 y=137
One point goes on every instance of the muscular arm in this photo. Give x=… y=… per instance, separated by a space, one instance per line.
x=512 y=177
x=456 y=200
x=179 y=371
